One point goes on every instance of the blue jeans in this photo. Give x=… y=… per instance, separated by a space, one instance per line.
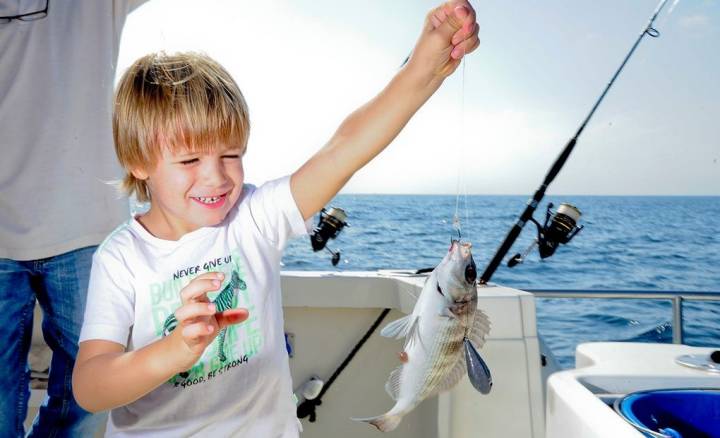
x=59 y=284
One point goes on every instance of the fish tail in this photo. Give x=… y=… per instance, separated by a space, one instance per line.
x=384 y=423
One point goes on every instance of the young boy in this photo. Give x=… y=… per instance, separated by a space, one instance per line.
x=161 y=346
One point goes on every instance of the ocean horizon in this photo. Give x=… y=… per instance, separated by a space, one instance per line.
x=528 y=196
x=629 y=242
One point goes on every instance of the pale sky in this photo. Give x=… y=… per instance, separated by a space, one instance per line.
x=498 y=123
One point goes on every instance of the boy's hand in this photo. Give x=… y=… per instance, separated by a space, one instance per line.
x=450 y=32
x=198 y=320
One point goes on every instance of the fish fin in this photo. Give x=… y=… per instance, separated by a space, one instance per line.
x=452 y=378
x=398 y=328
x=480 y=329
x=392 y=386
x=477 y=369
x=384 y=423
x=413 y=334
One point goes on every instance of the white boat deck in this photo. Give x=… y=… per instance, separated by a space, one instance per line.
x=327 y=313
x=577 y=403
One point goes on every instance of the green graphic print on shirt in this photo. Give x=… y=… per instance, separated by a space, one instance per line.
x=235 y=344
x=224 y=300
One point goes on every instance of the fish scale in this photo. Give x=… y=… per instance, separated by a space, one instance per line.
x=446 y=353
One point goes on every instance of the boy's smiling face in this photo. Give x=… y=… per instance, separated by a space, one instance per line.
x=190 y=190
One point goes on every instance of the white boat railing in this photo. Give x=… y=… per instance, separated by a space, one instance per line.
x=677 y=298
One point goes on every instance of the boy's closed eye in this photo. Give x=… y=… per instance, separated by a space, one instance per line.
x=190 y=159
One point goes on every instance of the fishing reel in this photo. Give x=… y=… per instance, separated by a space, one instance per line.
x=559 y=227
x=331 y=223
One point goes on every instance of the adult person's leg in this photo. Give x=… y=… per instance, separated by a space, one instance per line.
x=62 y=299
x=17 y=302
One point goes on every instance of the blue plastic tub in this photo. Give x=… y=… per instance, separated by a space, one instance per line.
x=673 y=413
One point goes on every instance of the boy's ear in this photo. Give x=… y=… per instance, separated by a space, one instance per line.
x=139 y=173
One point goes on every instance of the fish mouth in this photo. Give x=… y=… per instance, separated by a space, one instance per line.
x=460 y=256
x=463 y=249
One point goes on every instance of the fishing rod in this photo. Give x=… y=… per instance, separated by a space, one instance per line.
x=533 y=202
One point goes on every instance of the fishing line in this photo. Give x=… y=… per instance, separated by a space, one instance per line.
x=461 y=148
x=463 y=139
x=533 y=202
x=468 y=325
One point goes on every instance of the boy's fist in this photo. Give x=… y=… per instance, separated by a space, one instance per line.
x=450 y=32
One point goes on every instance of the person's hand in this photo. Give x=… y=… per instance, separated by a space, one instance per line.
x=198 y=319
x=450 y=32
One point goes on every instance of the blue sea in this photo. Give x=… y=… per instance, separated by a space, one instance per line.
x=628 y=243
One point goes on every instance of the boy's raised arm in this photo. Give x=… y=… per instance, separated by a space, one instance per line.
x=450 y=31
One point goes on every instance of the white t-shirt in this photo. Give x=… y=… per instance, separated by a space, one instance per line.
x=135 y=284
x=56 y=86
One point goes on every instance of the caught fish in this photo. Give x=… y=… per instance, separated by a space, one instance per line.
x=444 y=323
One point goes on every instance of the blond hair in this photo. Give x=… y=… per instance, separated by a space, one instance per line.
x=184 y=101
